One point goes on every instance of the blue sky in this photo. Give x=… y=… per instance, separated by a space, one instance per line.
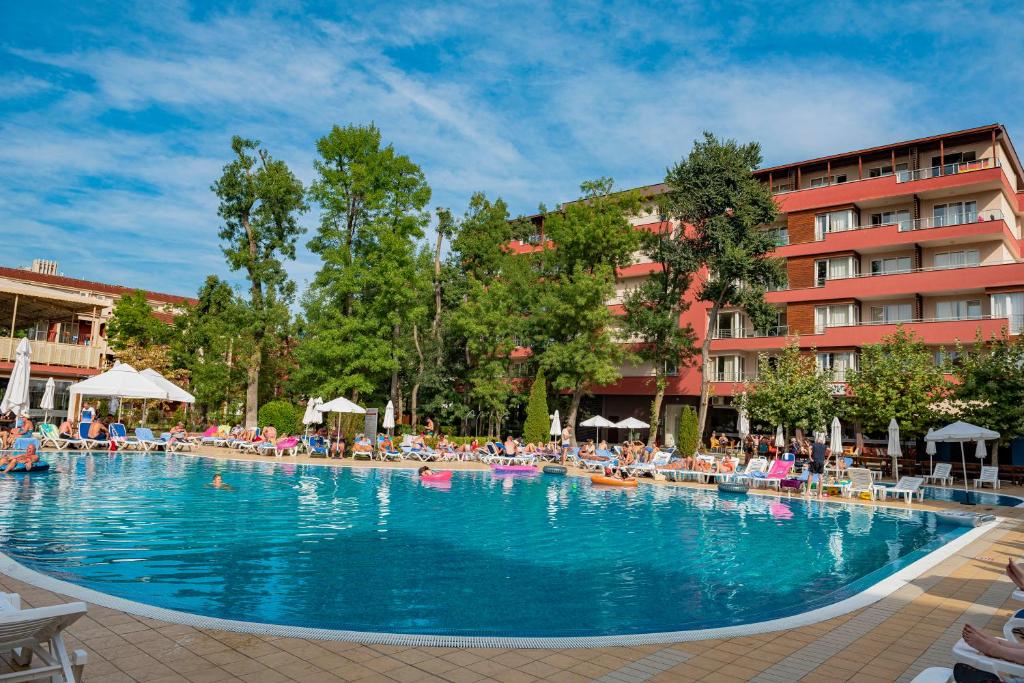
x=116 y=118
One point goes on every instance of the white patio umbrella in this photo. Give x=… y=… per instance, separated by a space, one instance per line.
x=979 y=452
x=46 y=405
x=556 y=425
x=780 y=438
x=16 y=397
x=389 y=417
x=174 y=392
x=894 y=447
x=962 y=432
x=929 y=448
x=631 y=423
x=598 y=422
x=341 y=405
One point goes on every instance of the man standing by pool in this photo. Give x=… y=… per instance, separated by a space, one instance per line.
x=819 y=454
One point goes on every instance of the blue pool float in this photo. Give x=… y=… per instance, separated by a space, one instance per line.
x=38 y=467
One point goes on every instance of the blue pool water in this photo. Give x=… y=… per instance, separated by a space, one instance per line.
x=376 y=550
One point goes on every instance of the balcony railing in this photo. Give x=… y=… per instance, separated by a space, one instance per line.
x=948 y=169
x=1016 y=322
x=822 y=283
x=731 y=376
x=744 y=333
x=53 y=353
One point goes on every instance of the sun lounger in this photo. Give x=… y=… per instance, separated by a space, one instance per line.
x=753 y=471
x=860 y=482
x=779 y=470
x=989 y=475
x=962 y=652
x=89 y=443
x=942 y=474
x=39 y=633
x=421 y=453
x=119 y=436
x=146 y=439
x=908 y=487
x=660 y=460
x=53 y=438
x=934 y=674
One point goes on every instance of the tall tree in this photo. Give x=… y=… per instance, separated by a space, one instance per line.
x=535 y=429
x=653 y=310
x=896 y=378
x=575 y=333
x=790 y=391
x=260 y=200
x=360 y=305
x=990 y=382
x=714 y=193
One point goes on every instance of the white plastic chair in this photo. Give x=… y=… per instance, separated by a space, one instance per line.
x=860 y=482
x=943 y=474
x=908 y=487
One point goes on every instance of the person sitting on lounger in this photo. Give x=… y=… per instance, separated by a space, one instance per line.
x=511 y=447
x=178 y=431
x=28 y=459
x=728 y=465
x=97 y=429
x=338 y=449
x=989 y=646
x=66 y=430
x=362 y=445
x=269 y=434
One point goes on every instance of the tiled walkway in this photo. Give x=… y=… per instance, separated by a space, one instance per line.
x=891 y=640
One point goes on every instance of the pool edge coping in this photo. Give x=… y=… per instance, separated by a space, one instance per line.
x=870 y=595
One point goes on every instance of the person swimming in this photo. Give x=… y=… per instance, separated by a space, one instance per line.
x=29 y=458
x=218 y=483
x=424 y=471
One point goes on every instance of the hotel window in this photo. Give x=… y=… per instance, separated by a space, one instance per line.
x=1009 y=306
x=953 y=160
x=833 y=221
x=837 y=364
x=958 y=310
x=727 y=368
x=943 y=357
x=671 y=368
x=780 y=235
x=730 y=325
x=824 y=180
x=834 y=315
x=879 y=171
x=889 y=266
x=958 y=259
x=900 y=218
x=892 y=313
x=69 y=333
x=834 y=269
x=954 y=213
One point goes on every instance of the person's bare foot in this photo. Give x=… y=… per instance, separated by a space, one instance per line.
x=1015 y=574
x=979 y=640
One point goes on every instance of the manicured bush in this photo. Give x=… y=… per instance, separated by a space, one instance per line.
x=282 y=415
x=535 y=429
x=687 y=437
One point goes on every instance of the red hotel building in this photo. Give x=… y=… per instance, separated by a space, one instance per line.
x=925 y=233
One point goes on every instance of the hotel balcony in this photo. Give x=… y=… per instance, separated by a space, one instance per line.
x=984 y=173
x=931 y=332
x=53 y=353
x=865 y=239
x=924 y=281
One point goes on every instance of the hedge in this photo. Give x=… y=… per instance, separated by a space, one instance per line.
x=282 y=415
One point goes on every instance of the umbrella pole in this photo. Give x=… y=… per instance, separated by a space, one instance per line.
x=963 y=462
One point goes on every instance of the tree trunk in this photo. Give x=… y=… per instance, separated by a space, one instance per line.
x=413 y=399
x=574 y=408
x=705 y=384
x=659 y=396
x=252 y=388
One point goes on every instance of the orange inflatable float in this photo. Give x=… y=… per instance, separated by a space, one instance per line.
x=612 y=481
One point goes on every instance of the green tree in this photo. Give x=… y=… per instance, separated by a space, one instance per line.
x=990 y=382
x=208 y=339
x=133 y=322
x=361 y=304
x=790 y=391
x=283 y=416
x=714 y=193
x=689 y=436
x=260 y=200
x=535 y=430
x=654 y=307
x=896 y=378
x=574 y=332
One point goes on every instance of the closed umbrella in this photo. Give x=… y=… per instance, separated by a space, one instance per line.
x=929 y=448
x=894 y=447
x=836 y=440
x=556 y=425
x=743 y=425
x=980 y=452
x=48 y=395
x=389 y=417
x=313 y=416
x=780 y=438
x=16 y=397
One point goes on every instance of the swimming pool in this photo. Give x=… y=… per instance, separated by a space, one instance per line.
x=375 y=550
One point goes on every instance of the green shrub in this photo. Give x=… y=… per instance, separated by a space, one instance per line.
x=282 y=415
x=535 y=429
x=687 y=437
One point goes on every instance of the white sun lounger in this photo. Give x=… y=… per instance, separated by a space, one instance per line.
x=39 y=633
x=660 y=460
x=942 y=474
x=989 y=475
x=964 y=653
x=860 y=482
x=908 y=487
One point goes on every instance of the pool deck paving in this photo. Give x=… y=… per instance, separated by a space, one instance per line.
x=892 y=639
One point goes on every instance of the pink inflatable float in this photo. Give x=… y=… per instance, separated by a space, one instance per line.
x=444 y=475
